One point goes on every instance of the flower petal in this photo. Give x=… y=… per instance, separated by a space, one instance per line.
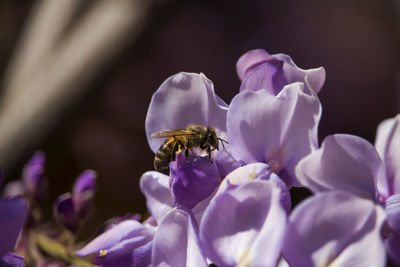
x=118 y=240
x=192 y=182
x=185 y=98
x=277 y=130
x=256 y=171
x=12 y=260
x=248 y=61
x=344 y=162
x=154 y=186
x=13 y=213
x=83 y=192
x=336 y=229
x=286 y=72
x=176 y=241
x=245 y=225
x=392 y=207
x=64 y=211
x=33 y=177
x=387 y=144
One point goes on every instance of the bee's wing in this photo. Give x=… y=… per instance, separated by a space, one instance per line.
x=169 y=133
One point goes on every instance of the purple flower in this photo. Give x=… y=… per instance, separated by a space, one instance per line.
x=69 y=209
x=344 y=162
x=192 y=182
x=256 y=171
x=244 y=225
x=13 y=213
x=336 y=229
x=350 y=163
x=260 y=70
x=189 y=98
x=128 y=243
x=33 y=178
x=277 y=130
x=83 y=191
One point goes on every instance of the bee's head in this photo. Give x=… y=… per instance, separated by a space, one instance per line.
x=212 y=138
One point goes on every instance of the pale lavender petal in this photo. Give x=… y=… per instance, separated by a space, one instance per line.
x=277 y=130
x=113 y=241
x=344 y=162
x=155 y=187
x=193 y=181
x=248 y=61
x=176 y=242
x=83 y=192
x=392 y=207
x=337 y=229
x=256 y=171
x=387 y=144
x=185 y=98
x=245 y=226
x=12 y=260
x=13 y=213
x=225 y=162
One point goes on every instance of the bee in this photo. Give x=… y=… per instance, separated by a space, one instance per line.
x=184 y=139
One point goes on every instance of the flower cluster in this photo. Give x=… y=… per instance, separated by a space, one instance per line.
x=235 y=209
x=230 y=205
x=42 y=241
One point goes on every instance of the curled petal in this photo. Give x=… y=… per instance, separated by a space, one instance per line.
x=185 y=98
x=192 y=181
x=154 y=186
x=245 y=225
x=344 y=162
x=33 y=178
x=387 y=144
x=277 y=130
x=176 y=242
x=260 y=70
x=13 y=213
x=83 y=191
x=64 y=211
x=335 y=229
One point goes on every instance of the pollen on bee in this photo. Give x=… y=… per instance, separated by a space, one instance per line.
x=103 y=252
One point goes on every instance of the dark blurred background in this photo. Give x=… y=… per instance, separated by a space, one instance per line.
x=357 y=41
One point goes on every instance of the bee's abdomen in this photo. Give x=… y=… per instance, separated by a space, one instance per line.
x=164 y=155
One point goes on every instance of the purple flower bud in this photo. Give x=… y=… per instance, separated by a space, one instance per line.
x=83 y=192
x=192 y=181
x=33 y=178
x=64 y=211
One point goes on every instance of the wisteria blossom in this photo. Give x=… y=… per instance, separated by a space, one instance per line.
x=232 y=206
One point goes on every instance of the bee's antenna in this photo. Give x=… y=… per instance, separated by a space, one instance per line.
x=222 y=142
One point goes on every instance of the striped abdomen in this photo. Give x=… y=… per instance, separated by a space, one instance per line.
x=165 y=154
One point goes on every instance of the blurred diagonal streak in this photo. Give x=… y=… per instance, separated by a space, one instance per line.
x=61 y=50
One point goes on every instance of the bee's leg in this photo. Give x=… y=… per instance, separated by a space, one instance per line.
x=209 y=153
x=187 y=151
